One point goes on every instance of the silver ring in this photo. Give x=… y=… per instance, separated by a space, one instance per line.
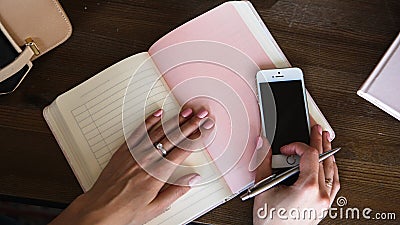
x=161 y=148
x=328 y=182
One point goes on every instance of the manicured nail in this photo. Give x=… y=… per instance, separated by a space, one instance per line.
x=158 y=113
x=258 y=155
x=187 y=112
x=208 y=124
x=327 y=136
x=260 y=142
x=188 y=179
x=194 y=180
x=203 y=113
x=319 y=129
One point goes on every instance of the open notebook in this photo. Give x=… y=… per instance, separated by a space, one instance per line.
x=210 y=61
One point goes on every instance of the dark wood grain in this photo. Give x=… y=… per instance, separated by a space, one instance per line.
x=337 y=43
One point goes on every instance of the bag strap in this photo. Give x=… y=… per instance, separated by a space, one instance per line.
x=23 y=59
x=12 y=68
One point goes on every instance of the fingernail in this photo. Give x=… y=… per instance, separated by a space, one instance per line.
x=187 y=112
x=208 y=124
x=328 y=136
x=258 y=155
x=319 y=128
x=189 y=179
x=260 y=142
x=194 y=180
x=203 y=113
x=158 y=113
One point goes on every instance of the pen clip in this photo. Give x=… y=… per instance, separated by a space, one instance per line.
x=263 y=181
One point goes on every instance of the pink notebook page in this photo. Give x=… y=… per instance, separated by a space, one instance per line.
x=220 y=78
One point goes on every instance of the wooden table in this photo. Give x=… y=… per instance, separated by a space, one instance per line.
x=336 y=43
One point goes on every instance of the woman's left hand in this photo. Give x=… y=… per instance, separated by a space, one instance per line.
x=125 y=193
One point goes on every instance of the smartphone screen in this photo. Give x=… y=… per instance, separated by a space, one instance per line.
x=291 y=118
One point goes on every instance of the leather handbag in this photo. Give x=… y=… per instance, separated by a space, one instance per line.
x=32 y=27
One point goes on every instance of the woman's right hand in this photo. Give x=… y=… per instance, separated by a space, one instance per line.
x=315 y=189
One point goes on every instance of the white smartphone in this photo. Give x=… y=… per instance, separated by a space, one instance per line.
x=284 y=111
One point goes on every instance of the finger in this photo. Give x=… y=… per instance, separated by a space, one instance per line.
x=176 y=136
x=261 y=151
x=312 y=121
x=316 y=142
x=200 y=138
x=309 y=161
x=168 y=196
x=164 y=167
x=326 y=143
x=316 y=138
x=142 y=130
x=265 y=169
x=328 y=163
x=156 y=134
x=177 y=155
x=159 y=132
x=336 y=183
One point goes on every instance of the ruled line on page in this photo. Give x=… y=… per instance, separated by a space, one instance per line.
x=100 y=115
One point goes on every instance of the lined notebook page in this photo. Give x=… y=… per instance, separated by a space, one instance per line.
x=93 y=112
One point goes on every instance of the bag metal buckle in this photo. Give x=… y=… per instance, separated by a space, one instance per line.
x=31 y=44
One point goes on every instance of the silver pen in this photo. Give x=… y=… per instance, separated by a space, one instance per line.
x=275 y=179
